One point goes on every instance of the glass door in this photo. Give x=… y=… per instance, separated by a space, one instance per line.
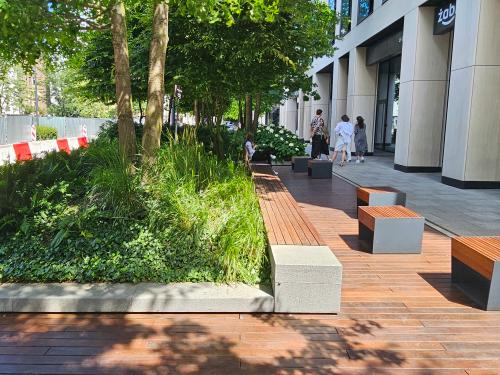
x=387 y=105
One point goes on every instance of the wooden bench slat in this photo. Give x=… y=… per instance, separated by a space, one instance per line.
x=368 y=214
x=272 y=217
x=311 y=236
x=478 y=253
x=285 y=222
x=286 y=213
x=305 y=230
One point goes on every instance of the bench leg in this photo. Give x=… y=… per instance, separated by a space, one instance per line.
x=472 y=283
x=494 y=296
x=398 y=236
x=365 y=237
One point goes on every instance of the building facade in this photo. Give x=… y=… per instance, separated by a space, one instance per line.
x=425 y=75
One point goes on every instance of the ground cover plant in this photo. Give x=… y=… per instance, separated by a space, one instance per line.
x=92 y=217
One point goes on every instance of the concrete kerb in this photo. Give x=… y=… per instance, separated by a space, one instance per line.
x=135 y=298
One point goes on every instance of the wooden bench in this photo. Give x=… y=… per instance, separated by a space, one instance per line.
x=285 y=222
x=380 y=196
x=306 y=275
x=475 y=268
x=390 y=229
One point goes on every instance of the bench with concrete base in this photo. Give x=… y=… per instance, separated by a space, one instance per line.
x=390 y=229
x=380 y=196
x=319 y=168
x=306 y=275
x=299 y=164
x=476 y=269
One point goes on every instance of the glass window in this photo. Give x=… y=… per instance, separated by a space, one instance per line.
x=345 y=13
x=365 y=8
x=331 y=3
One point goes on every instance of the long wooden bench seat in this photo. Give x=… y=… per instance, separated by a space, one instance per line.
x=476 y=269
x=285 y=222
x=306 y=274
x=390 y=229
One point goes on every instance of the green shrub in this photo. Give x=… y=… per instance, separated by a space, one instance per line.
x=91 y=217
x=45 y=133
x=279 y=141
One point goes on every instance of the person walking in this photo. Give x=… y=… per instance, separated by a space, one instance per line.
x=325 y=143
x=360 y=139
x=344 y=131
x=317 y=134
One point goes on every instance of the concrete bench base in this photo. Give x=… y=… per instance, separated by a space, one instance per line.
x=134 y=298
x=306 y=279
x=393 y=236
x=485 y=292
x=299 y=164
x=320 y=169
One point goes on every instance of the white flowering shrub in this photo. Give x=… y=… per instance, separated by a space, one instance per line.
x=279 y=141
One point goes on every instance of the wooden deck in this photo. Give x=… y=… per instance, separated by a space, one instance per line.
x=400 y=315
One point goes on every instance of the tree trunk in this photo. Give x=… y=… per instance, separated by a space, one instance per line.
x=126 y=130
x=240 y=114
x=248 y=112
x=196 y=110
x=141 y=111
x=156 y=89
x=258 y=99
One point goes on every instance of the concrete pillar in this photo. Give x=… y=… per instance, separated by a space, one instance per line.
x=300 y=114
x=290 y=108
x=339 y=94
x=361 y=91
x=422 y=94
x=323 y=82
x=306 y=123
x=472 y=152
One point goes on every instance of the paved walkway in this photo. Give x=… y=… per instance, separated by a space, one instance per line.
x=463 y=212
x=400 y=316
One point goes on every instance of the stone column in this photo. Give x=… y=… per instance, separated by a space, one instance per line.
x=300 y=114
x=339 y=100
x=422 y=94
x=306 y=123
x=323 y=83
x=472 y=151
x=361 y=91
x=291 y=115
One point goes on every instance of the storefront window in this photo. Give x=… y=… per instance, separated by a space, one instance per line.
x=331 y=3
x=345 y=13
x=365 y=8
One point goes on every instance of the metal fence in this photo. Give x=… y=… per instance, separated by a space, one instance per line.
x=15 y=129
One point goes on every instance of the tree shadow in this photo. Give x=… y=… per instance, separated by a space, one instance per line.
x=157 y=344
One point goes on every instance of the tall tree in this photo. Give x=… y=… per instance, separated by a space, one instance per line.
x=126 y=130
x=156 y=86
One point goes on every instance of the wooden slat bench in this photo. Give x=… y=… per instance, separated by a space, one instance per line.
x=285 y=222
x=476 y=269
x=380 y=196
x=306 y=275
x=390 y=229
